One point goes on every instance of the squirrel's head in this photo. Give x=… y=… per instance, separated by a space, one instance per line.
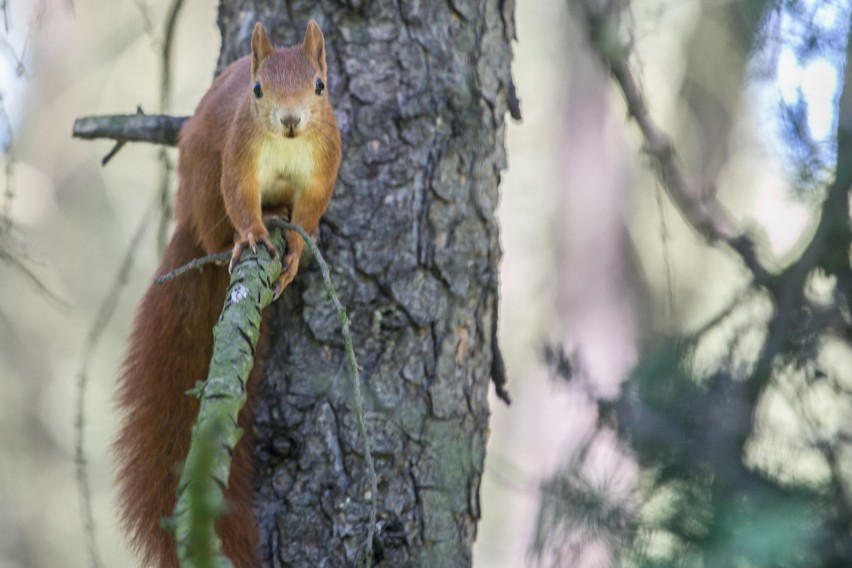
x=288 y=83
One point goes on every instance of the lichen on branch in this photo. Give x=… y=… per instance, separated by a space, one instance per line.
x=200 y=498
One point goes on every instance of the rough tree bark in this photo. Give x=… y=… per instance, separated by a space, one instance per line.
x=420 y=90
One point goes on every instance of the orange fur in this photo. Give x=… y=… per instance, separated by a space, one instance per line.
x=239 y=156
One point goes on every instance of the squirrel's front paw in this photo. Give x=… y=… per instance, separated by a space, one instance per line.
x=250 y=240
x=289 y=268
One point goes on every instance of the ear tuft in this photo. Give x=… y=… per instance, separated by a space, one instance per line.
x=314 y=46
x=260 y=47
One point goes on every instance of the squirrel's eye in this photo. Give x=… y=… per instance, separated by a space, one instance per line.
x=320 y=87
x=258 y=92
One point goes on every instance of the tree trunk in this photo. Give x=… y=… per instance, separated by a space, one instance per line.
x=420 y=90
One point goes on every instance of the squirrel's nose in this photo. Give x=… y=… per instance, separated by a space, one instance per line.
x=290 y=121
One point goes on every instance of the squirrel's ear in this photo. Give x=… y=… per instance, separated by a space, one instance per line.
x=314 y=46
x=260 y=47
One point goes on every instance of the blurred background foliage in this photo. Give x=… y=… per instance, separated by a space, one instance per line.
x=671 y=406
x=739 y=427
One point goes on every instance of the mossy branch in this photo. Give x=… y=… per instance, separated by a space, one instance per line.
x=200 y=498
x=207 y=467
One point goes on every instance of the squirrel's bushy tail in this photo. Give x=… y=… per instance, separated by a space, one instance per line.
x=168 y=351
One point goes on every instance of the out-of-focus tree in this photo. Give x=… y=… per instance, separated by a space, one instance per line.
x=723 y=480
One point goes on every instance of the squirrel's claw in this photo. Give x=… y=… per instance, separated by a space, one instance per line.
x=250 y=241
x=279 y=289
x=235 y=256
x=289 y=268
x=264 y=240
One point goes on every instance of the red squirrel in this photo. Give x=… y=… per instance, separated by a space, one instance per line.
x=262 y=140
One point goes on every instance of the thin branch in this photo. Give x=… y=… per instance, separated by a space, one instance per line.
x=216 y=258
x=738 y=300
x=696 y=203
x=105 y=312
x=151 y=128
x=667 y=261
x=165 y=106
x=140 y=127
x=166 y=55
x=111 y=154
x=12 y=260
x=118 y=145
x=354 y=372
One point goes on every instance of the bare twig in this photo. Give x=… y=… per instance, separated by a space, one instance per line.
x=152 y=128
x=695 y=201
x=354 y=375
x=165 y=105
x=118 y=145
x=103 y=316
x=216 y=258
x=739 y=299
x=16 y=263
x=667 y=261
x=166 y=55
x=111 y=154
